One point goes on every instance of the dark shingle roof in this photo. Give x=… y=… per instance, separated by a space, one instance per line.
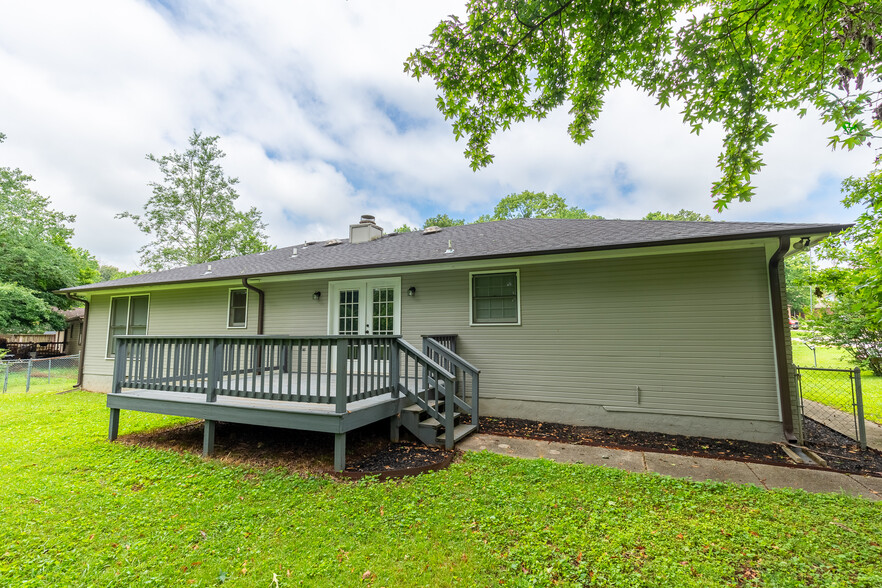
x=477 y=241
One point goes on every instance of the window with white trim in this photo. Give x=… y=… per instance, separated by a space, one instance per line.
x=128 y=316
x=495 y=298
x=237 y=317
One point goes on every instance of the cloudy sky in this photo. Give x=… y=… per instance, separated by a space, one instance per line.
x=321 y=125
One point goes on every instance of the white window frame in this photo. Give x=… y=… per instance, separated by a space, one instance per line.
x=128 y=319
x=334 y=295
x=471 y=285
x=229 y=308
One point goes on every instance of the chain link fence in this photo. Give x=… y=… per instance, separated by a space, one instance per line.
x=833 y=398
x=26 y=375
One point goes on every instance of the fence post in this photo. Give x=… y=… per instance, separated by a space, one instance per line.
x=28 y=384
x=49 y=374
x=859 y=400
x=6 y=379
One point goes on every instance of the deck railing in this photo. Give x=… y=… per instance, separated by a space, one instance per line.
x=442 y=350
x=322 y=369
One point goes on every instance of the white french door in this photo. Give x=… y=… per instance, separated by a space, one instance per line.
x=365 y=307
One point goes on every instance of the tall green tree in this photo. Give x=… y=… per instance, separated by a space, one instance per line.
x=191 y=215
x=683 y=215
x=36 y=256
x=443 y=220
x=529 y=204
x=731 y=62
x=853 y=286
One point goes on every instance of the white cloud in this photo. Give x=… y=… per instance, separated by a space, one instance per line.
x=321 y=125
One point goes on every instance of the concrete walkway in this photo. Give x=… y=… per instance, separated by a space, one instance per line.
x=697 y=468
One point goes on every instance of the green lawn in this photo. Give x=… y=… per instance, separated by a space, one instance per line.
x=831 y=357
x=79 y=511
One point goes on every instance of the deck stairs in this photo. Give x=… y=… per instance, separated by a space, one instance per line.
x=430 y=430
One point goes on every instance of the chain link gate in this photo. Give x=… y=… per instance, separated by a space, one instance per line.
x=833 y=398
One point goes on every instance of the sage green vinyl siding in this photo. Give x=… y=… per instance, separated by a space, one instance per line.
x=691 y=330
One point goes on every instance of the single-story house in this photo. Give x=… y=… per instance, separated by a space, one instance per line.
x=670 y=326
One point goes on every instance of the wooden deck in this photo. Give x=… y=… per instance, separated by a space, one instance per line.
x=324 y=384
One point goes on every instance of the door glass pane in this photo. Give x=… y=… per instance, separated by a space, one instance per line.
x=348 y=313
x=382 y=317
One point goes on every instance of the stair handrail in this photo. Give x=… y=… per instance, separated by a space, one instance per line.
x=444 y=385
x=452 y=358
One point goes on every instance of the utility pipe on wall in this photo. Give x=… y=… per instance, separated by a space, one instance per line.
x=775 y=286
x=260 y=295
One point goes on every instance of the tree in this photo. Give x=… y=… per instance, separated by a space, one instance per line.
x=528 y=204
x=853 y=286
x=732 y=62
x=191 y=216
x=36 y=257
x=22 y=312
x=111 y=272
x=683 y=215
x=799 y=271
x=442 y=220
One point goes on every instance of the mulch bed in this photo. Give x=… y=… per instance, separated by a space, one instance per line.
x=368 y=449
x=840 y=452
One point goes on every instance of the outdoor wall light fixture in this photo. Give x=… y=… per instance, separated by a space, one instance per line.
x=411 y=291
x=316 y=295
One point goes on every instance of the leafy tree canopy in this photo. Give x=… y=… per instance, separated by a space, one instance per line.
x=111 y=272
x=732 y=62
x=442 y=220
x=22 y=312
x=853 y=287
x=799 y=271
x=35 y=256
x=529 y=204
x=191 y=216
x=683 y=215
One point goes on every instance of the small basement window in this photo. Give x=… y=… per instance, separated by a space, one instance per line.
x=128 y=316
x=495 y=298
x=237 y=317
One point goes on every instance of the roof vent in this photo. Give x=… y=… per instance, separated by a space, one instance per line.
x=432 y=230
x=333 y=242
x=366 y=230
x=293 y=252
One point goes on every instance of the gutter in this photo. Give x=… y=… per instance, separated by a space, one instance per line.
x=784 y=390
x=82 y=362
x=260 y=302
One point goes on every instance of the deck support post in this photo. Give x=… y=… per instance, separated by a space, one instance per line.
x=113 y=430
x=208 y=440
x=339 y=452
x=395 y=428
x=340 y=392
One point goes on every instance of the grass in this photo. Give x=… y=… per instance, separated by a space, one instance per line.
x=79 y=511
x=833 y=357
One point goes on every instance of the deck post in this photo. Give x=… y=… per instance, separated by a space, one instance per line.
x=449 y=408
x=119 y=367
x=339 y=452
x=208 y=439
x=394 y=366
x=214 y=368
x=342 y=361
x=113 y=430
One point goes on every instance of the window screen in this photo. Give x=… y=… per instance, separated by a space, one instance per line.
x=495 y=298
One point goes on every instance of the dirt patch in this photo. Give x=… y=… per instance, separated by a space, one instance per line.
x=841 y=453
x=368 y=449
